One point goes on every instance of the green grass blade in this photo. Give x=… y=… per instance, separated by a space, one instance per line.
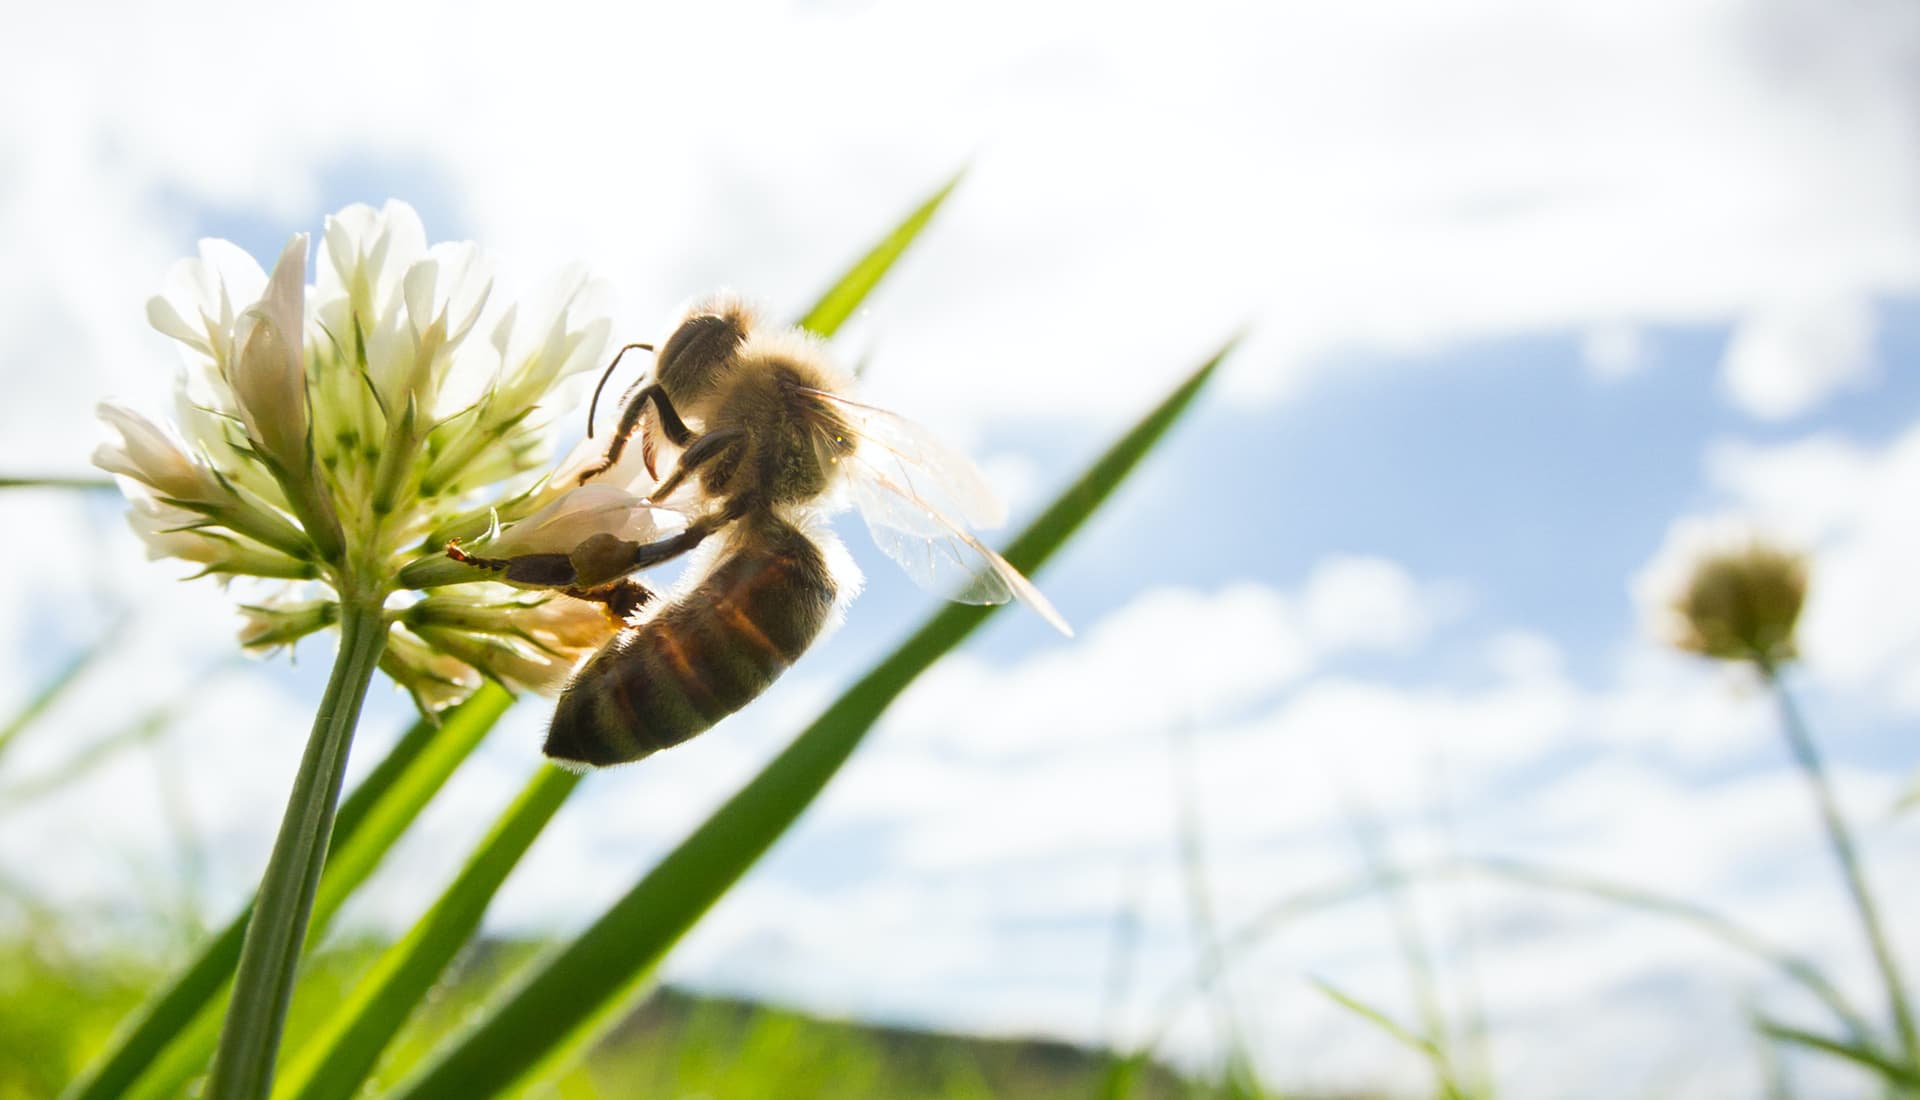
x=1268 y=924
x=182 y=1062
x=144 y=728
x=561 y=1009
x=1773 y=1068
x=1190 y=839
x=845 y=296
x=336 y=1061
x=56 y=687
x=407 y=794
x=1120 y=1077
x=424 y=751
x=1423 y=975
x=1897 y=1075
x=1909 y=800
x=1419 y=1044
x=85 y=484
x=1712 y=923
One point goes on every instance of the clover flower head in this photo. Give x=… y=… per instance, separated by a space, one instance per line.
x=334 y=439
x=1723 y=591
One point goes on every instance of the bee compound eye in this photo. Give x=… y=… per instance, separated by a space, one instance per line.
x=701 y=344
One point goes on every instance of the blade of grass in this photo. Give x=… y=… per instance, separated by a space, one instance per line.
x=1190 y=840
x=1121 y=1074
x=174 y=1073
x=1846 y=854
x=1773 y=1068
x=1122 y=960
x=1476 y=1029
x=336 y=1061
x=845 y=296
x=1423 y=976
x=1904 y=1077
x=53 y=689
x=408 y=792
x=142 y=730
x=1422 y=1045
x=1175 y=1002
x=86 y=484
x=407 y=774
x=1264 y=927
x=1714 y=924
x=561 y=1009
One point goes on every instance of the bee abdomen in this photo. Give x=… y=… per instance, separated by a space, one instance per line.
x=702 y=657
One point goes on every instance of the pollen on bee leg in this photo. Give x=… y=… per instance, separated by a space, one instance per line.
x=619 y=600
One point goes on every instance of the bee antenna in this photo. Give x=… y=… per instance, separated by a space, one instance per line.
x=595 y=404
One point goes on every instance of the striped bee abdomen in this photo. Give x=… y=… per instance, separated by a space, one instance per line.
x=702 y=657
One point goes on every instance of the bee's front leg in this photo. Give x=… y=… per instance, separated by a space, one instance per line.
x=530 y=570
x=707 y=448
x=676 y=430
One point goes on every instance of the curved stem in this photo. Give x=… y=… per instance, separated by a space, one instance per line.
x=1840 y=839
x=263 y=985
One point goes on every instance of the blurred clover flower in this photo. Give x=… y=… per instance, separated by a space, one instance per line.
x=1732 y=596
x=1743 y=604
x=325 y=436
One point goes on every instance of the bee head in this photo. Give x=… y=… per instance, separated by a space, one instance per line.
x=701 y=347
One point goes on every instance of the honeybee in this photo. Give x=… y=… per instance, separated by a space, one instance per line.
x=766 y=441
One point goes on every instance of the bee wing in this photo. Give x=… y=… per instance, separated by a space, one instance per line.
x=916 y=459
x=908 y=486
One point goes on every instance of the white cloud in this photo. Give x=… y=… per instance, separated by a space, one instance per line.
x=1172 y=658
x=1613 y=352
x=1368 y=603
x=1785 y=360
x=1338 y=177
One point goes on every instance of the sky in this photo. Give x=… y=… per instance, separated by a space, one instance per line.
x=1538 y=297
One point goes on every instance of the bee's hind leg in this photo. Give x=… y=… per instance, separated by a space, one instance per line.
x=599 y=562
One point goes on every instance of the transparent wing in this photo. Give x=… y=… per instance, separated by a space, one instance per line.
x=916 y=459
x=904 y=482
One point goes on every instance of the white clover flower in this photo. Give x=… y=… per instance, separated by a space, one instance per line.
x=338 y=437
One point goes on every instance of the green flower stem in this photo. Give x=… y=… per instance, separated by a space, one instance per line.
x=1840 y=839
x=263 y=986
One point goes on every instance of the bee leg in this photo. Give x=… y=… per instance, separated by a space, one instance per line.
x=675 y=428
x=599 y=561
x=707 y=447
x=653 y=553
x=621 y=598
x=549 y=570
x=543 y=570
x=603 y=559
